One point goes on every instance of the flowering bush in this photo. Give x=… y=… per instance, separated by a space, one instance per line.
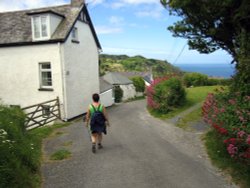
x=165 y=94
x=229 y=115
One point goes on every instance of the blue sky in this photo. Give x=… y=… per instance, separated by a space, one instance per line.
x=132 y=27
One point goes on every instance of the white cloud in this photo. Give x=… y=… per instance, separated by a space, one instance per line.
x=116 y=20
x=107 y=30
x=134 y=51
x=136 y=2
x=152 y=11
x=123 y=3
x=10 y=5
x=94 y=2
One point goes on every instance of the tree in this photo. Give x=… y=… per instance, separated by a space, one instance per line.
x=138 y=83
x=213 y=24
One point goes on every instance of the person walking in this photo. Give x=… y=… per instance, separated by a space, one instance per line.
x=96 y=121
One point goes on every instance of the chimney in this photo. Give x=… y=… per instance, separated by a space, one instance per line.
x=77 y=3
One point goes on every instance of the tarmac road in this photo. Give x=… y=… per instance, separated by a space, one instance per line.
x=139 y=152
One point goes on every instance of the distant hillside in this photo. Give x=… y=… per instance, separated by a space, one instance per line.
x=124 y=63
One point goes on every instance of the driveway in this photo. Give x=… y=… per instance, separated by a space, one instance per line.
x=140 y=151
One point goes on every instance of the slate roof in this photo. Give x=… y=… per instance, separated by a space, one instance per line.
x=104 y=85
x=145 y=75
x=116 y=78
x=15 y=27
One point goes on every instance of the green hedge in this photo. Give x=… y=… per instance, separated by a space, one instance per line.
x=19 y=163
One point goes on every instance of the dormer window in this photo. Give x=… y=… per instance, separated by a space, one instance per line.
x=40 y=27
x=44 y=24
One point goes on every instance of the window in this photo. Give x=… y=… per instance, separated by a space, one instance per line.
x=45 y=75
x=46 y=110
x=40 y=27
x=74 y=34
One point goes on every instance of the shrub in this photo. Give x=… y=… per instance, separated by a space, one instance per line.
x=219 y=81
x=229 y=114
x=195 y=79
x=166 y=94
x=118 y=94
x=138 y=83
x=18 y=161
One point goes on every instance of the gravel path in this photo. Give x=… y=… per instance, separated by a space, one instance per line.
x=139 y=151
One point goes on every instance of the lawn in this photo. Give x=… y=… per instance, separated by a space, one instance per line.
x=195 y=95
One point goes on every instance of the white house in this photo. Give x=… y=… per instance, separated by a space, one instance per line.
x=116 y=79
x=107 y=97
x=47 y=53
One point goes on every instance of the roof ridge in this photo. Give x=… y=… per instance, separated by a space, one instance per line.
x=36 y=9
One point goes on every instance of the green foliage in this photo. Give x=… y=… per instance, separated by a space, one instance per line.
x=169 y=94
x=194 y=96
x=123 y=63
x=219 y=81
x=195 y=79
x=138 y=83
x=60 y=154
x=214 y=24
x=118 y=94
x=19 y=164
x=241 y=81
x=219 y=156
x=21 y=150
x=228 y=114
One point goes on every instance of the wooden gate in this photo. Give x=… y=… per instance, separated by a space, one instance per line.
x=43 y=113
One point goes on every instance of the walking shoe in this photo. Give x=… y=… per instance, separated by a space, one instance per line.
x=93 y=149
x=100 y=146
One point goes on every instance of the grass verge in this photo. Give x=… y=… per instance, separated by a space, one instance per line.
x=218 y=154
x=195 y=95
x=193 y=116
x=60 y=155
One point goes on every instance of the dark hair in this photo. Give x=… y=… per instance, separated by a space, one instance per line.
x=95 y=97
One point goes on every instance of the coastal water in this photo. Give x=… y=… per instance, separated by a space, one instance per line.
x=213 y=70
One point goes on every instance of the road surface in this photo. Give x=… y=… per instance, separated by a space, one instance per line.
x=139 y=151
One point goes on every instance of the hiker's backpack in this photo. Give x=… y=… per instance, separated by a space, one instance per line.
x=97 y=118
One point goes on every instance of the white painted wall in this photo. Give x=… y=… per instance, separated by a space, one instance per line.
x=107 y=98
x=54 y=22
x=128 y=91
x=80 y=71
x=19 y=74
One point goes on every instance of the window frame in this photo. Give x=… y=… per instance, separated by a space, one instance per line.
x=41 y=70
x=41 y=21
x=74 y=35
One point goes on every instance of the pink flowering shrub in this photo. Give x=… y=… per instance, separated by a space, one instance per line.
x=229 y=115
x=165 y=94
x=152 y=104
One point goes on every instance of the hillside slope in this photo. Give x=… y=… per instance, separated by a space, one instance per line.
x=124 y=63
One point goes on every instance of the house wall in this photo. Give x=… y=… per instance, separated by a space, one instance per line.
x=81 y=70
x=107 y=98
x=128 y=91
x=19 y=74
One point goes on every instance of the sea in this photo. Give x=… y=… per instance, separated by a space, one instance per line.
x=212 y=70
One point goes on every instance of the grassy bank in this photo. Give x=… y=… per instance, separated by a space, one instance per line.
x=21 y=151
x=194 y=96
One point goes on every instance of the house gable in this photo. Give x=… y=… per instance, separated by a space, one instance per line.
x=16 y=27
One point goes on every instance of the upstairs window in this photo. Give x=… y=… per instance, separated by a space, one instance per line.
x=45 y=75
x=74 y=35
x=40 y=27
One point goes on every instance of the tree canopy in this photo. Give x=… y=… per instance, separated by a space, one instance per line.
x=211 y=24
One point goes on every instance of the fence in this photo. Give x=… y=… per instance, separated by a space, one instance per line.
x=42 y=113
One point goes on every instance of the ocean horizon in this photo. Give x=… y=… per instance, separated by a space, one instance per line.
x=211 y=70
